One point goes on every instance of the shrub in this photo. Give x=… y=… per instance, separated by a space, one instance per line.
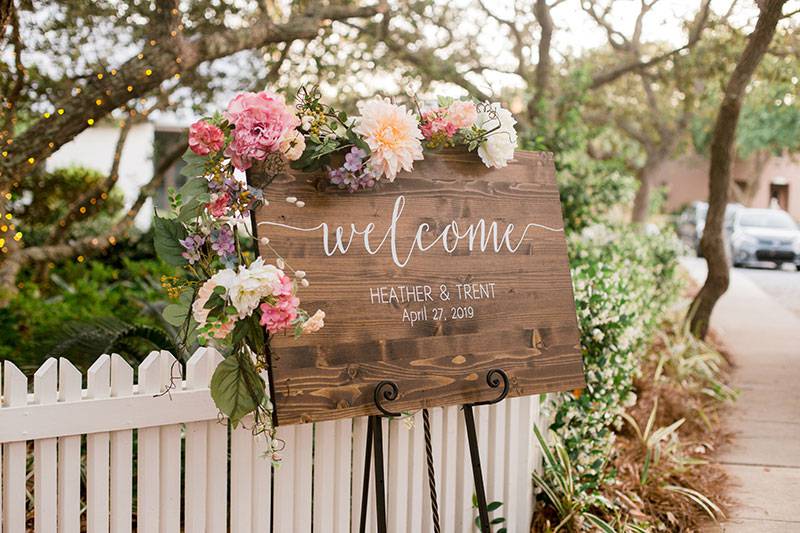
x=123 y=285
x=624 y=282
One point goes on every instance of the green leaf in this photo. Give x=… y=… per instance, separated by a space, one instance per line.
x=193 y=187
x=356 y=139
x=167 y=233
x=194 y=207
x=236 y=387
x=195 y=164
x=175 y=314
x=494 y=506
x=599 y=523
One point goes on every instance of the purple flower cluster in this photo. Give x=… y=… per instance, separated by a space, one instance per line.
x=193 y=244
x=222 y=242
x=355 y=174
x=238 y=197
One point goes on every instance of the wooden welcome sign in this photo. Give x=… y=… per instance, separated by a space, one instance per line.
x=430 y=282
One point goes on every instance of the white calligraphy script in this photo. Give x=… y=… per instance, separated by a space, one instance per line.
x=477 y=236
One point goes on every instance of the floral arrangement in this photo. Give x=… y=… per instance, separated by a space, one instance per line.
x=235 y=301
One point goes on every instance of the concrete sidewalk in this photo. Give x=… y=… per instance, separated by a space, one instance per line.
x=763 y=338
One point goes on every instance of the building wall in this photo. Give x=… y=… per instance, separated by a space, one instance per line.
x=686 y=180
x=94 y=148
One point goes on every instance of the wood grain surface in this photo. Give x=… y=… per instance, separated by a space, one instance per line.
x=524 y=323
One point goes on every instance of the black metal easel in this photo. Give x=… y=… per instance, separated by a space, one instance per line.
x=388 y=391
x=493 y=378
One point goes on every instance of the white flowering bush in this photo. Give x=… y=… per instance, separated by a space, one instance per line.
x=624 y=281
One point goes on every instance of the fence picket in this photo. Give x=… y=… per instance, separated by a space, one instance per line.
x=45 y=464
x=170 y=452
x=464 y=487
x=97 y=452
x=495 y=468
x=283 y=508
x=324 y=472
x=15 y=393
x=523 y=446
x=242 y=477
x=148 y=484
x=303 y=470
x=121 y=452
x=358 y=451
x=417 y=488
x=195 y=487
x=397 y=476
x=342 y=469
x=262 y=484
x=217 y=461
x=69 y=455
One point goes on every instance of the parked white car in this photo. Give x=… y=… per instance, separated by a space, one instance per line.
x=764 y=235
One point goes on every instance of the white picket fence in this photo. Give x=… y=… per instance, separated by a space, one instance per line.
x=166 y=463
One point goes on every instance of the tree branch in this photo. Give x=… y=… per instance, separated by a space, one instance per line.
x=699 y=23
x=544 y=64
x=146 y=71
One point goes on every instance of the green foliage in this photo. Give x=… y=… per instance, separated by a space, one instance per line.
x=42 y=200
x=491 y=507
x=167 y=233
x=624 y=282
x=236 y=387
x=91 y=338
x=557 y=483
x=592 y=189
x=124 y=285
x=770 y=117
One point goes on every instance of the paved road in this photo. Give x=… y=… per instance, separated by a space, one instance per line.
x=783 y=285
x=763 y=460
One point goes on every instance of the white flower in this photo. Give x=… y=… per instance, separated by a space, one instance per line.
x=292 y=145
x=498 y=149
x=252 y=284
x=315 y=322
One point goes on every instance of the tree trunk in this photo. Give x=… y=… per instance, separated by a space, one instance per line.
x=641 y=202
x=713 y=244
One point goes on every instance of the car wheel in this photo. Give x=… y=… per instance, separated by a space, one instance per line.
x=797 y=266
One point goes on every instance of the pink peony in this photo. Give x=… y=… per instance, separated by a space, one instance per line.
x=462 y=114
x=205 y=138
x=218 y=206
x=260 y=120
x=279 y=317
